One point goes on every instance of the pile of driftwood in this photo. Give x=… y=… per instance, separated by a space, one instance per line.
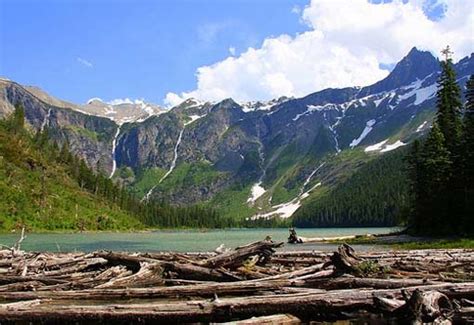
x=284 y=287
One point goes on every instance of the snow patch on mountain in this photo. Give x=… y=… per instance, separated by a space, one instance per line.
x=384 y=147
x=262 y=106
x=257 y=191
x=368 y=127
x=420 y=128
x=285 y=210
x=393 y=146
x=94 y=99
x=314 y=108
x=193 y=119
x=421 y=94
x=376 y=147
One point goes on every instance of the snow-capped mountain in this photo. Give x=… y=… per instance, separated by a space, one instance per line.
x=121 y=111
x=252 y=160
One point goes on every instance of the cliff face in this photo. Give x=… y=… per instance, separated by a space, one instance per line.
x=89 y=136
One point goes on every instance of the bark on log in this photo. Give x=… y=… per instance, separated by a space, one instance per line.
x=305 y=306
x=281 y=319
x=233 y=259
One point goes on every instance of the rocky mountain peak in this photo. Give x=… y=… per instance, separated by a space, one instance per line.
x=416 y=65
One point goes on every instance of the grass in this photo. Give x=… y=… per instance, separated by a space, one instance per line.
x=36 y=191
x=186 y=175
x=232 y=203
x=416 y=243
x=146 y=180
x=84 y=132
x=438 y=243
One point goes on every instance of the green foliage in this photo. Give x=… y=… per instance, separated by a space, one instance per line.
x=47 y=188
x=232 y=202
x=374 y=195
x=467 y=158
x=83 y=131
x=37 y=190
x=146 y=179
x=440 y=243
x=441 y=167
x=449 y=106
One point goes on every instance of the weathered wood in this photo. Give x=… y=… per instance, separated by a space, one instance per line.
x=233 y=259
x=306 y=306
x=281 y=319
x=252 y=280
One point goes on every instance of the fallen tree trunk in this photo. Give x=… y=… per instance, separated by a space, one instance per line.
x=305 y=306
x=232 y=259
x=249 y=280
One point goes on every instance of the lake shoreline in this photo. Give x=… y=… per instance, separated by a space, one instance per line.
x=173 y=240
x=254 y=280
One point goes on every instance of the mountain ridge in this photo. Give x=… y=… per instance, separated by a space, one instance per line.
x=203 y=152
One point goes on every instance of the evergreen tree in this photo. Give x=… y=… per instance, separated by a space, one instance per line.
x=449 y=106
x=417 y=190
x=468 y=157
x=441 y=172
x=435 y=170
x=18 y=118
x=448 y=117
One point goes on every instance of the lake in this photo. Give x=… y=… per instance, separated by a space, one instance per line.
x=182 y=240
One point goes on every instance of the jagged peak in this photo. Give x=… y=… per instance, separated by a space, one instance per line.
x=228 y=102
x=416 y=65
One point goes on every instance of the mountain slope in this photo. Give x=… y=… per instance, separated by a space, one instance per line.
x=37 y=191
x=249 y=160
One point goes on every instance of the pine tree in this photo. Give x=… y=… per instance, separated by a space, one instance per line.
x=416 y=188
x=435 y=169
x=468 y=158
x=449 y=106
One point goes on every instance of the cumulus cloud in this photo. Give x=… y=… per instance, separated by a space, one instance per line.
x=84 y=62
x=232 y=50
x=348 y=43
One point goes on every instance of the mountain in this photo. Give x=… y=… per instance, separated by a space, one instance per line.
x=122 y=110
x=248 y=160
x=38 y=190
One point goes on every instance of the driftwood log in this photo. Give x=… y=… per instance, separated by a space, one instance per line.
x=252 y=284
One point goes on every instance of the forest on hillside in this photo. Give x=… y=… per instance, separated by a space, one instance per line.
x=377 y=194
x=43 y=186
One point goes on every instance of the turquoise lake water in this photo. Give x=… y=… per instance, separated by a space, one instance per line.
x=182 y=241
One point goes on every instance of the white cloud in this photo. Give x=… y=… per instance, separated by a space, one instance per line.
x=296 y=10
x=173 y=99
x=232 y=50
x=119 y=101
x=84 y=62
x=345 y=45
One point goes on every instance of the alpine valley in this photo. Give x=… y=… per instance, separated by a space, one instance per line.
x=332 y=158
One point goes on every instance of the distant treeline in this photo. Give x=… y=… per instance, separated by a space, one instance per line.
x=375 y=195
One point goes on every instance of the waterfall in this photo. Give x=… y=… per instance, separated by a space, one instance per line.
x=114 y=146
x=46 y=120
x=172 y=166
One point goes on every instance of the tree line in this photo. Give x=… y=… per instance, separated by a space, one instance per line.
x=375 y=195
x=441 y=166
x=152 y=213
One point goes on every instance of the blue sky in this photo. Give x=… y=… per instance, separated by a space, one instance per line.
x=166 y=51
x=139 y=49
